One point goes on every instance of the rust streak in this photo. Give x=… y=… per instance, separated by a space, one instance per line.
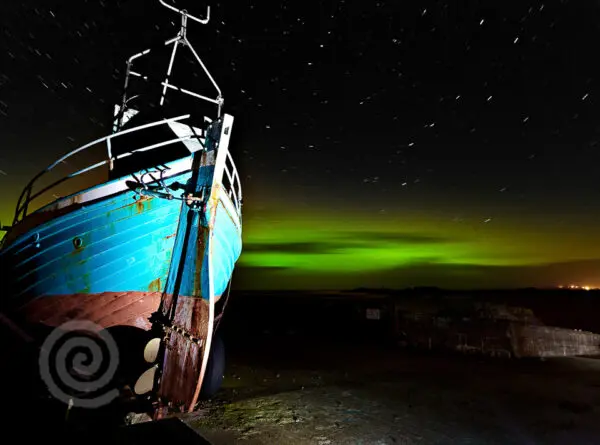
x=154 y=285
x=143 y=204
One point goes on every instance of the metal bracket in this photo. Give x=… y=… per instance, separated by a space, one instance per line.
x=160 y=180
x=196 y=203
x=169 y=329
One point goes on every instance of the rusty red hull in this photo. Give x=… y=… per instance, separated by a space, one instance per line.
x=184 y=351
x=106 y=309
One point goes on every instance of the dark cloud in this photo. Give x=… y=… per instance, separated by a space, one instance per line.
x=259 y=277
x=293 y=247
x=261 y=268
x=347 y=240
x=398 y=238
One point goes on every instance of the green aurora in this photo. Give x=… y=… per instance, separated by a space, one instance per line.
x=345 y=249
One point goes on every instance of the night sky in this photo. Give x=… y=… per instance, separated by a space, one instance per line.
x=380 y=144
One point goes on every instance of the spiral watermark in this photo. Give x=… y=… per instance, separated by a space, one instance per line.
x=77 y=362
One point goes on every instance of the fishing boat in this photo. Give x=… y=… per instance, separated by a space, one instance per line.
x=149 y=248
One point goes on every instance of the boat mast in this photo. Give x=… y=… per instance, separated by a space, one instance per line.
x=179 y=40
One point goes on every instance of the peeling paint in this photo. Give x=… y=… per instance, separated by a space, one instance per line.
x=155 y=285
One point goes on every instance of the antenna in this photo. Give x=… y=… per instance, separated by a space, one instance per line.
x=184 y=12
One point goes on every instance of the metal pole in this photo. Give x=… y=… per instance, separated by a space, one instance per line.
x=124 y=101
x=204 y=68
x=164 y=92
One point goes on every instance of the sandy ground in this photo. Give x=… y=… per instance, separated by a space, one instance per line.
x=293 y=392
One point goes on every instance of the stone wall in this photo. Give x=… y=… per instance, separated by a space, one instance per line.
x=549 y=341
x=493 y=337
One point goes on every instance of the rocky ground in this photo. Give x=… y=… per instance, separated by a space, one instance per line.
x=305 y=391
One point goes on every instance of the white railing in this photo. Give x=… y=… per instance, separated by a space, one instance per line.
x=233 y=186
x=27 y=195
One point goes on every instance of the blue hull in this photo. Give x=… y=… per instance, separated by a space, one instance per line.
x=116 y=245
x=154 y=253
